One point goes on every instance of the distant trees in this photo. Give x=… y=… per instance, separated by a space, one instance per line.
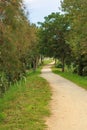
x=17 y=42
x=52 y=37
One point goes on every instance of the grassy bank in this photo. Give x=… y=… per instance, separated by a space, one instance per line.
x=81 y=81
x=25 y=105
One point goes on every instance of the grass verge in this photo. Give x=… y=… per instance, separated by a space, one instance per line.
x=81 y=81
x=25 y=105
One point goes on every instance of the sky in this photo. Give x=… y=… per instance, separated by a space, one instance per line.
x=38 y=9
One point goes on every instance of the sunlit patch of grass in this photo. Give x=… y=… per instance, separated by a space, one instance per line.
x=48 y=60
x=79 y=80
x=25 y=105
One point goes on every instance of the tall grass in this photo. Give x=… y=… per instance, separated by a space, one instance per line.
x=25 y=105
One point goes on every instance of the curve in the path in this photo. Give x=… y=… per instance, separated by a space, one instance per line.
x=68 y=105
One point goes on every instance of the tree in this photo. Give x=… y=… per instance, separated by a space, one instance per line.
x=76 y=14
x=17 y=42
x=32 y=54
x=52 y=37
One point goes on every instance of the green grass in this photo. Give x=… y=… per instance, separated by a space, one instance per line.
x=25 y=105
x=81 y=81
x=47 y=60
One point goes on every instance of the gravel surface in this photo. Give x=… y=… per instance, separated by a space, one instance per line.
x=68 y=105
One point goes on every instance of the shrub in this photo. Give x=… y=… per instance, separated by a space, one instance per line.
x=85 y=71
x=59 y=65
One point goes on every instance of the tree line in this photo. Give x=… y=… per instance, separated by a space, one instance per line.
x=64 y=35
x=18 y=43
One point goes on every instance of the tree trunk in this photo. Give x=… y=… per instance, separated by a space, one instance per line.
x=80 y=65
x=41 y=59
x=35 y=63
x=63 y=64
x=80 y=69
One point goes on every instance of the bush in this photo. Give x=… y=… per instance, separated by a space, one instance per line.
x=59 y=65
x=85 y=71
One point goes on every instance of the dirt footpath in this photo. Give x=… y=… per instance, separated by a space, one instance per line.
x=68 y=105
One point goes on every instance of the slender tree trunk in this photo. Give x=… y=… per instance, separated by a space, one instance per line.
x=63 y=64
x=80 y=69
x=80 y=65
x=35 y=63
x=41 y=58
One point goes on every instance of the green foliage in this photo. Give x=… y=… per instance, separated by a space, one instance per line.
x=76 y=15
x=59 y=65
x=18 y=42
x=52 y=37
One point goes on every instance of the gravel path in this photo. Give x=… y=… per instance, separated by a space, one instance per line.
x=68 y=105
